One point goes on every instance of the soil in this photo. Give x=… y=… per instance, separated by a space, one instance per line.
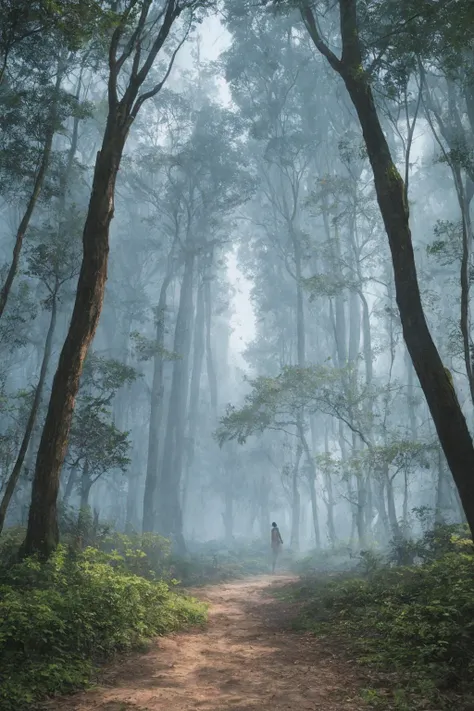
x=247 y=658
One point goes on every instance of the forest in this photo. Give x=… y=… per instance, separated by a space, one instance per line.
x=235 y=289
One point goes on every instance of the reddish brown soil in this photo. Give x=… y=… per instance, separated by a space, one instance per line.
x=246 y=659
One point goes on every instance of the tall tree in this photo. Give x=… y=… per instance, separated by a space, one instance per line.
x=139 y=37
x=440 y=395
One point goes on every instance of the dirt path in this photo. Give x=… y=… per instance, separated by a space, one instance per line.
x=245 y=660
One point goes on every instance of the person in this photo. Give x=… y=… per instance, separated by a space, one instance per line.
x=277 y=543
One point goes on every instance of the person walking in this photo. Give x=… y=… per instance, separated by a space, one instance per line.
x=277 y=543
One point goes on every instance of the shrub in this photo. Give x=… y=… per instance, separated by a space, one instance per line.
x=415 y=621
x=146 y=554
x=59 y=619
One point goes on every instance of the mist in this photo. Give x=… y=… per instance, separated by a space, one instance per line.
x=245 y=358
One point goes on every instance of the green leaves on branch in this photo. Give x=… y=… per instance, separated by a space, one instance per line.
x=275 y=403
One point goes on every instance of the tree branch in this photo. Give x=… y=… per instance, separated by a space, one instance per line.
x=311 y=25
x=157 y=88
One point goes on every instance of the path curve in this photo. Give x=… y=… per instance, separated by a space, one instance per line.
x=246 y=659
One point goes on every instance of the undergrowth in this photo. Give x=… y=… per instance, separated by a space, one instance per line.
x=60 y=619
x=101 y=593
x=212 y=563
x=411 y=627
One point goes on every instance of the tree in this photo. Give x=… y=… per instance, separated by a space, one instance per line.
x=137 y=27
x=52 y=258
x=96 y=445
x=440 y=395
x=35 y=106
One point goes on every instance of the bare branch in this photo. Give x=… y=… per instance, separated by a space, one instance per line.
x=312 y=27
x=114 y=64
x=135 y=40
x=157 y=88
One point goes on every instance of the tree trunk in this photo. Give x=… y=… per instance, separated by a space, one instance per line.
x=211 y=370
x=312 y=488
x=170 y=506
x=71 y=481
x=85 y=487
x=360 y=512
x=42 y=534
x=194 y=391
x=368 y=356
x=406 y=495
x=81 y=535
x=156 y=415
x=440 y=395
x=229 y=515
x=465 y=276
x=379 y=499
x=330 y=503
x=295 y=503
x=392 y=511
x=14 y=476
x=442 y=401
x=264 y=507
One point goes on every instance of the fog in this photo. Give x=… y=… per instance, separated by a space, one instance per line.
x=249 y=364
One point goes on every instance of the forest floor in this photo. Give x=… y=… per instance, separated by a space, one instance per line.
x=246 y=658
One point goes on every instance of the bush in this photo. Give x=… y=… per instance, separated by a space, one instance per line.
x=59 y=619
x=434 y=543
x=146 y=554
x=415 y=621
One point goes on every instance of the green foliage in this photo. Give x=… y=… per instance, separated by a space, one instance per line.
x=447 y=245
x=146 y=348
x=57 y=620
x=274 y=403
x=15 y=325
x=328 y=285
x=95 y=439
x=147 y=554
x=436 y=542
x=412 y=627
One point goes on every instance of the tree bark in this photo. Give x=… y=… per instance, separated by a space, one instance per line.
x=442 y=401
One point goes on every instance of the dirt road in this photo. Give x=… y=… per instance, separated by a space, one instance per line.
x=246 y=659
